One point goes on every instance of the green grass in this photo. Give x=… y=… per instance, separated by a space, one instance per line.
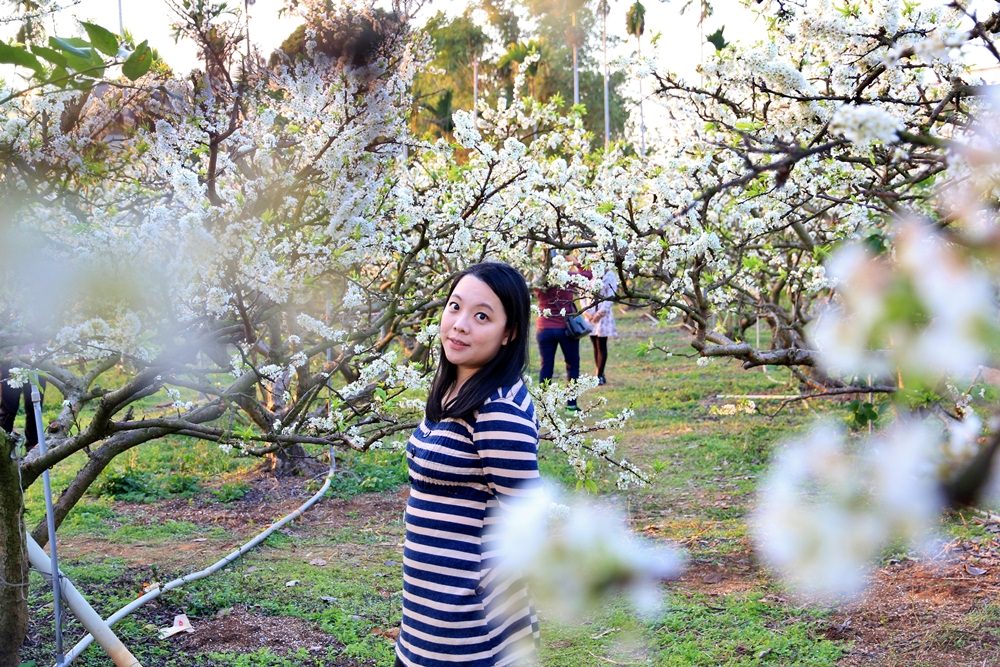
x=231 y=492
x=741 y=630
x=696 y=630
x=962 y=524
x=371 y=471
x=703 y=470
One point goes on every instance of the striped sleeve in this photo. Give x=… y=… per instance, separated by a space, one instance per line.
x=506 y=438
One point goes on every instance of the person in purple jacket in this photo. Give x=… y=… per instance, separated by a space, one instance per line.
x=555 y=304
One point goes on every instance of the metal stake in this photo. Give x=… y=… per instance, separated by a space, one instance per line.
x=50 y=520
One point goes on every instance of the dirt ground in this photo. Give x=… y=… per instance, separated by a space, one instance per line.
x=238 y=630
x=920 y=613
x=266 y=502
x=915 y=613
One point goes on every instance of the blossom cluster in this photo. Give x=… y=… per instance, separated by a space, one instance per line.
x=576 y=554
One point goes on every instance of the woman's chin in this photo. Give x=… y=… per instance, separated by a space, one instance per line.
x=454 y=357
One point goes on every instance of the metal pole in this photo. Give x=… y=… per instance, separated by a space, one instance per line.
x=50 y=520
x=86 y=614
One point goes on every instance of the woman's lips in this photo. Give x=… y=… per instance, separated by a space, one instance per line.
x=457 y=344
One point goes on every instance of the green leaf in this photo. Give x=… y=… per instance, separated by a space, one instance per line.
x=877 y=243
x=53 y=56
x=73 y=46
x=864 y=413
x=717 y=40
x=103 y=39
x=749 y=125
x=80 y=56
x=16 y=55
x=139 y=62
x=60 y=77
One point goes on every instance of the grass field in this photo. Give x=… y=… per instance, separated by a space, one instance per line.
x=326 y=591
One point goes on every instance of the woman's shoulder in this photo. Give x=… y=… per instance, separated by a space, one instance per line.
x=515 y=395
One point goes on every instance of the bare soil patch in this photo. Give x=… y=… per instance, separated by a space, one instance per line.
x=176 y=554
x=731 y=573
x=370 y=511
x=268 y=500
x=239 y=631
x=926 y=614
x=944 y=612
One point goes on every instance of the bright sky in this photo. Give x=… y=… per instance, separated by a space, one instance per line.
x=680 y=48
x=681 y=43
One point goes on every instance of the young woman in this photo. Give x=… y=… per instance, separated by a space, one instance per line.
x=476 y=449
x=602 y=319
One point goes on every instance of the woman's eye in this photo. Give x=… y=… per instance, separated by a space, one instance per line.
x=453 y=306
x=481 y=317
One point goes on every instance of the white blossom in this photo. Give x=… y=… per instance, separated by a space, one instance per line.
x=865 y=124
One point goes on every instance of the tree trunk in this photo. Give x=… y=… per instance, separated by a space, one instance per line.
x=642 y=117
x=13 y=557
x=607 y=109
x=291 y=460
x=576 y=67
x=475 y=90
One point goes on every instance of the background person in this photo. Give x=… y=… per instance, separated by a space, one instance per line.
x=10 y=397
x=475 y=450
x=602 y=318
x=550 y=330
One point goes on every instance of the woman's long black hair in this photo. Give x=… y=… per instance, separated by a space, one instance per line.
x=507 y=367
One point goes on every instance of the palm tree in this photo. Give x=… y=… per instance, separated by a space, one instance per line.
x=515 y=56
x=635 y=25
x=565 y=10
x=441 y=113
x=458 y=43
x=575 y=38
x=476 y=41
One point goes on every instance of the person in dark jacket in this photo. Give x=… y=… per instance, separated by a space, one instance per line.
x=555 y=304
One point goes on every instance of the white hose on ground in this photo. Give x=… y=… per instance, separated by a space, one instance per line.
x=86 y=614
x=154 y=593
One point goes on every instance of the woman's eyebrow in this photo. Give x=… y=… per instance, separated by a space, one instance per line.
x=478 y=305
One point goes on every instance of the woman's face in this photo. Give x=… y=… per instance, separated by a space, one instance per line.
x=473 y=326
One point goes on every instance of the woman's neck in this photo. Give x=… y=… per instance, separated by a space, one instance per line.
x=461 y=378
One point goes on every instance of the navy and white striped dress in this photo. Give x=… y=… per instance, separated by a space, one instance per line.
x=456 y=609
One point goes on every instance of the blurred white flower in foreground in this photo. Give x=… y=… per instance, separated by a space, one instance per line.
x=971 y=198
x=924 y=309
x=574 y=553
x=828 y=507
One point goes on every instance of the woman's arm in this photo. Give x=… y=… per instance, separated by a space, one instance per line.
x=506 y=437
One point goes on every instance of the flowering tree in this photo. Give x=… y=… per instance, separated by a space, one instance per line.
x=776 y=203
x=837 y=184
x=267 y=245
x=263 y=243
